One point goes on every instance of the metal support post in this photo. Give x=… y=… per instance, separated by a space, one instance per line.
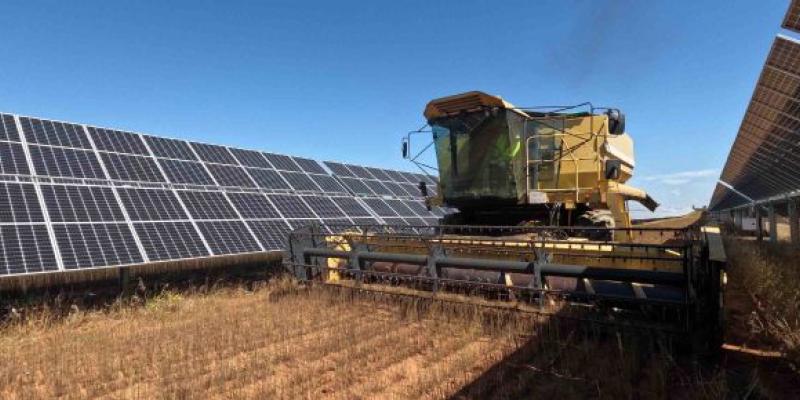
x=773 y=224
x=794 y=223
x=759 y=223
x=124 y=278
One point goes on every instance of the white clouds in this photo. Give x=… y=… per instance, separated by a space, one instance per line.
x=663 y=211
x=677 y=191
x=682 y=178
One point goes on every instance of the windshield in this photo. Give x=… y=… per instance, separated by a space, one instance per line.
x=475 y=156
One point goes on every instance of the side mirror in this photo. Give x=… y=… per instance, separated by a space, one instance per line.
x=405 y=148
x=616 y=122
x=423 y=188
x=612 y=170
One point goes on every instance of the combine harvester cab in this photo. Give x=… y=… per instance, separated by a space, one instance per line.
x=669 y=280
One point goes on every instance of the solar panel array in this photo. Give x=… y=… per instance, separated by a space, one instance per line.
x=75 y=197
x=792 y=19
x=369 y=181
x=765 y=154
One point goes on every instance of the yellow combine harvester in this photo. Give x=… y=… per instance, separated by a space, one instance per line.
x=542 y=218
x=502 y=165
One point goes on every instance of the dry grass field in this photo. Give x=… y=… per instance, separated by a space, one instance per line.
x=276 y=339
x=768 y=276
x=279 y=341
x=235 y=343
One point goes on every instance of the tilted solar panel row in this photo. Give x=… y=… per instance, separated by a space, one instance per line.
x=85 y=152
x=759 y=165
x=91 y=229
x=76 y=197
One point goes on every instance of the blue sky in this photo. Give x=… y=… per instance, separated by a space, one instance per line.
x=344 y=80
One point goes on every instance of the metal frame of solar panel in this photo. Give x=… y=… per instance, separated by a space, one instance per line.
x=84 y=197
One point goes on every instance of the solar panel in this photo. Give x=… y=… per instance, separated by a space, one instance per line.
x=379 y=174
x=291 y=206
x=370 y=181
x=414 y=221
x=766 y=142
x=81 y=203
x=251 y=158
x=117 y=141
x=282 y=162
x=151 y=204
x=300 y=223
x=431 y=221
x=351 y=207
x=365 y=221
x=377 y=188
x=138 y=198
x=410 y=178
x=300 y=181
x=57 y=161
x=131 y=168
x=26 y=249
x=96 y=245
x=792 y=19
x=380 y=208
x=395 y=176
x=356 y=186
x=207 y=205
x=395 y=221
x=324 y=207
x=8 y=128
x=395 y=188
x=19 y=203
x=338 y=225
x=268 y=179
x=339 y=169
x=170 y=240
x=54 y=133
x=400 y=208
x=12 y=159
x=213 y=153
x=309 y=165
x=170 y=148
x=419 y=208
x=229 y=175
x=411 y=189
x=253 y=205
x=425 y=178
x=360 y=171
x=271 y=234
x=228 y=237
x=190 y=172
x=328 y=184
